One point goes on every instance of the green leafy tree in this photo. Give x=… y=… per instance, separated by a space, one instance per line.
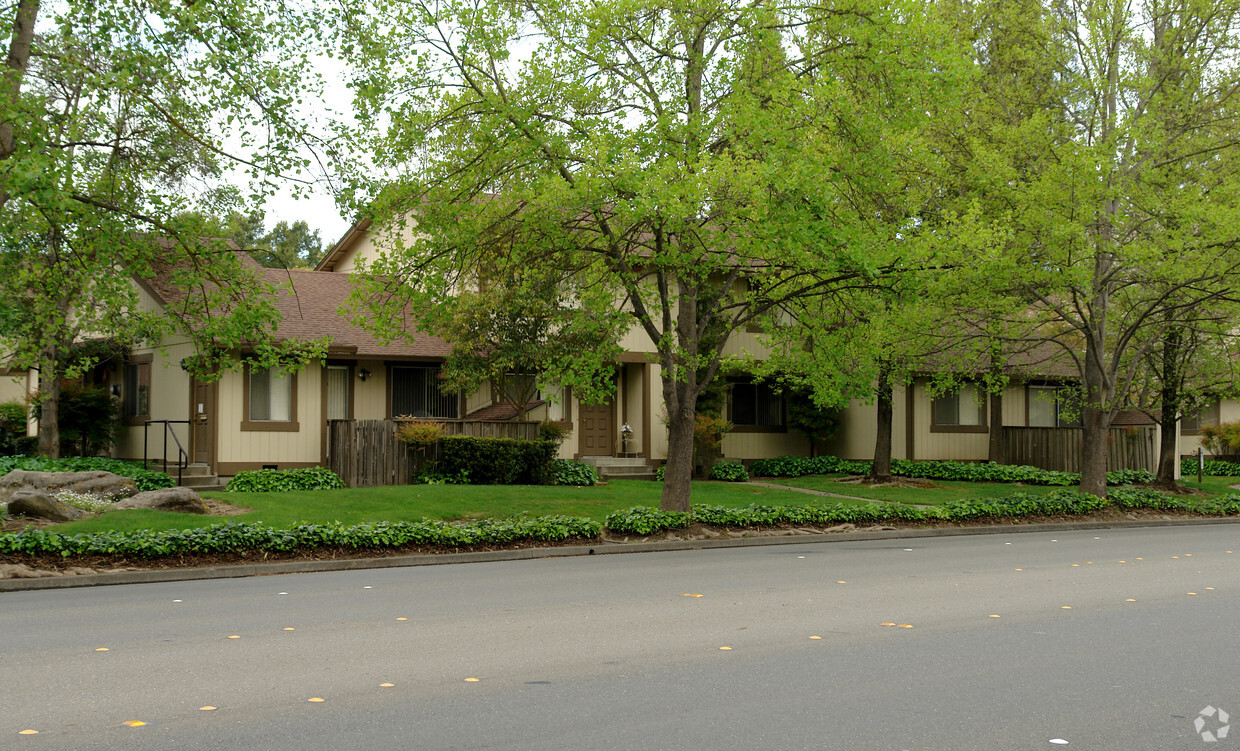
x=115 y=120
x=1103 y=169
x=648 y=151
x=529 y=333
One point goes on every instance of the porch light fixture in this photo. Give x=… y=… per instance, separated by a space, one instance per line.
x=363 y=374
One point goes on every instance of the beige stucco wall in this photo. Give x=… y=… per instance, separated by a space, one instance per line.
x=169 y=398
x=270 y=447
x=373 y=242
x=1228 y=411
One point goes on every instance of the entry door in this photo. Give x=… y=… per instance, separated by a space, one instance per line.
x=202 y=423
x=336 y=380
x=594 y=422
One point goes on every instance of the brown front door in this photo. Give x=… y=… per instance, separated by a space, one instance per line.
x=594 y=422
x=202 y=423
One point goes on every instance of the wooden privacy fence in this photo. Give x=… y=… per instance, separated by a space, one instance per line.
x=366 y=453
x=1129 y=447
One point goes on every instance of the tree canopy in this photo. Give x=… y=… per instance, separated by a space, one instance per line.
x=703 y=162
x=116 y=119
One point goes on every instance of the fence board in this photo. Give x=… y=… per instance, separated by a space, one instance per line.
x=366 y=453
x=1129 y=447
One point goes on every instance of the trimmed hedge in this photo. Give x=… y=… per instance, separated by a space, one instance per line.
x=497 y=461
x=1213 y=468
x=641 y=520
x=284 y=480
x=797 y=466
x=237 y=537
x=146 y=479
x=729 y=472
x=569 y=472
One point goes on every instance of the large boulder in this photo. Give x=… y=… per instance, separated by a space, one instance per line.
x=180 y=499
x=41 y=505
x=95 y=483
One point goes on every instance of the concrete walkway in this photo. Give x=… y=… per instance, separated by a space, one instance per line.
x=825 y=494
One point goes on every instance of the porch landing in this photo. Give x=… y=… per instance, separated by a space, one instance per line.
x=619 y=467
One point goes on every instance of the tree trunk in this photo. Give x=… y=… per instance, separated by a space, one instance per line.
x=678 y=473
x=1096 y=427
x=998 y=451
x=880 y=470
x=1169 y=399
x=49 y=407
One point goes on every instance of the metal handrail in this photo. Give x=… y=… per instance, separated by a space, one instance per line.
x=182 y=455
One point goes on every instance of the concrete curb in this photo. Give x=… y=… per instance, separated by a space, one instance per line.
x=602 y=548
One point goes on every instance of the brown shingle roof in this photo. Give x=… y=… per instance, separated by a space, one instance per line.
x=309 y=303
x=502 y=411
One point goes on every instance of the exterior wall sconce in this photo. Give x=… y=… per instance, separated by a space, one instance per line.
x=116 y=389
x=363 y=374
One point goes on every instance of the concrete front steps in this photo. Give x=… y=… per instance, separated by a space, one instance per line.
x=620 y=467
x=196 y=476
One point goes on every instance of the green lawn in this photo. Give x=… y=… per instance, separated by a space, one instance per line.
x=415 y=502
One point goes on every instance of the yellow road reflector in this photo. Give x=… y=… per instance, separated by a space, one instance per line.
x=234 y=636
x=1209 y=587
x=207 y=708
x=1123 y=561
x=402 y=619
x=726 y=649
x=905 y=625
x=1018 y=569
x=1188 y=555
x=1075 y=565
x=27 y=732
x=1192 y=593
x=992 y=615
x=1175 y=556
x=471 y=680
x=1130 y=600
x=1088 y=562
x=289 y=628
x=686 y=594
x=315 y=699
x=386 y=685
x=840 y=581
x=888 y=623
x=133 y=723
x=815 y=637
x=1065 y=607
x=1140 y=559
x=1226 y=551
x=101 y=649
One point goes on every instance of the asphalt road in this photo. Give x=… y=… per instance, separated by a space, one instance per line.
x=1104 y=639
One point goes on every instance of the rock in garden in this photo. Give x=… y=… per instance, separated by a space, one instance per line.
x=181 y=500
x=22 y=571
x=38 y=504
x=93 y=483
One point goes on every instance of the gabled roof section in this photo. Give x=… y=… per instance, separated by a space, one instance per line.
x=502 y=411
x=343 y=245
x=309 y=303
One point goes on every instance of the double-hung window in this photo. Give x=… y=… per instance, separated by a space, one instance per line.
x=756 y=406
x=270 y=399
x=1052 y=406
x=963 y=410
x=136 y=390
